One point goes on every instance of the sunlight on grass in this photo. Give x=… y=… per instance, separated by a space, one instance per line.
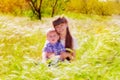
x=21 y=43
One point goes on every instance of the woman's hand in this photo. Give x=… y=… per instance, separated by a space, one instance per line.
x=66 y=55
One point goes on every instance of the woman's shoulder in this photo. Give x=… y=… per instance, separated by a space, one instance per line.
x=75 y=43
x=62 y=41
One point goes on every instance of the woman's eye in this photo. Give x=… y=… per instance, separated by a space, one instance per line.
x=62 y=24
x=58 y=27
x=54 y=35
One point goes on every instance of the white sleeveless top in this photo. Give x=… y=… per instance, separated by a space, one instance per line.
x=75 y=46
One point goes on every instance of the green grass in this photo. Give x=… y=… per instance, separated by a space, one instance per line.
x=97 y=58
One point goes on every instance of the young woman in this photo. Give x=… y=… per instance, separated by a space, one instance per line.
x=61 y=27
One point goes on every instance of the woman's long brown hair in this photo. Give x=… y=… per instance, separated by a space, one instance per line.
x=68 y=39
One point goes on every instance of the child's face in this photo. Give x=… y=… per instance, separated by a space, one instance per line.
x=61 y=28
x=52 y=37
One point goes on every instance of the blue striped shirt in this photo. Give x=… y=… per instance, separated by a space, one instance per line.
x=56 y=48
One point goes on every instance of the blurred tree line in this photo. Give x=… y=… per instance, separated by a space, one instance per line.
x=41 y=8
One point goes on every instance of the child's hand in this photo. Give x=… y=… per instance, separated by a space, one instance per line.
x=52 y=55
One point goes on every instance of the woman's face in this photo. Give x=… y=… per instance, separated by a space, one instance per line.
x=61 y=28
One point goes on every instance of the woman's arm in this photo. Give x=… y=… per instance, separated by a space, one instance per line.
x=67 y=55
x=74 y=54
x=75 y=47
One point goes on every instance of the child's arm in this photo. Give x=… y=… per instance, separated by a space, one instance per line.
x=47 y=53
x=44 y=57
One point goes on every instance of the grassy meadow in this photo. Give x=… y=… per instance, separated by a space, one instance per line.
x=97 y=57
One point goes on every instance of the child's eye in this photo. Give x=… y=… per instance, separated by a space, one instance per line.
x=50 y=36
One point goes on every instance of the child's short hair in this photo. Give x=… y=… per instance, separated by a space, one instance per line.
x=50 y=31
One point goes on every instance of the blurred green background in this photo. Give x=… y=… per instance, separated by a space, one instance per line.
x=94 y=23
